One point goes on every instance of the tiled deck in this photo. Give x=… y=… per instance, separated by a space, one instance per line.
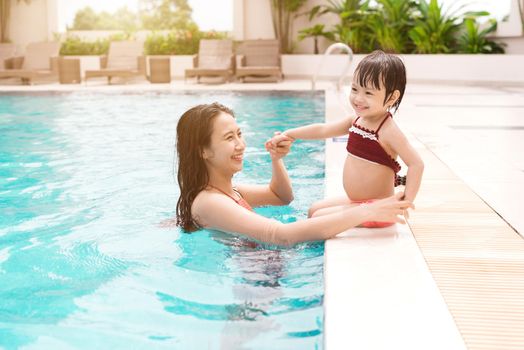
x=455 y=279
x=475 y=257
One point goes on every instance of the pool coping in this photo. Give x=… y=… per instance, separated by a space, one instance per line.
x=379 y=292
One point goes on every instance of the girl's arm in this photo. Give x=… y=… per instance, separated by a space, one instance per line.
x=400 y=145
x=316 y=131
x=216 y=211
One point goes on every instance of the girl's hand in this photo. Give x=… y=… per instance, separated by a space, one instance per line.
x=391 y=209
x=279 y=137
x=279 y=150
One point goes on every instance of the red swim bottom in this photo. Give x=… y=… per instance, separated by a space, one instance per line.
x=372 y=224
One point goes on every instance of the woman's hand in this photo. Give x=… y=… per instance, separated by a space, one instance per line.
x=278 y=137
x=279 y=149
x=391 y=209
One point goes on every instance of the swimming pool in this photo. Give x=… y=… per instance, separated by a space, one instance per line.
x=86 y=177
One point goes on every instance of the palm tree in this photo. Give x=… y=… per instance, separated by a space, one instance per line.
x=5 y=9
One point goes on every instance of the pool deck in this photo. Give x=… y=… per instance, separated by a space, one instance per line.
x=454 y=277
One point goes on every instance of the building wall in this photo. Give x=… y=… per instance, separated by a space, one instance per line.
x=514 y=45
x=258 y=15
x=252 y=20
x=33 y=22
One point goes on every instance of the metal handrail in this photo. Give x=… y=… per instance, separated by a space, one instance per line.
x=332 y=47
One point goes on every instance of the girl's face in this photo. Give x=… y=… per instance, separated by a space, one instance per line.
x=368 y=102
x=225 y=153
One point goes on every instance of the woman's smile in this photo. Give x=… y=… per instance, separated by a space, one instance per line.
x=238 y=157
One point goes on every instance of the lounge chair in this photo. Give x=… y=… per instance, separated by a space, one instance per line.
x=40 y=61
x=259 y=61
x=124 y=60
x=7 y=52
x=215 y=59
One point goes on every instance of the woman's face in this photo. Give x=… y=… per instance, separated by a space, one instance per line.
x=225 y=154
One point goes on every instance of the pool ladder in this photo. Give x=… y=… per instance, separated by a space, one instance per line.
x=340 y=46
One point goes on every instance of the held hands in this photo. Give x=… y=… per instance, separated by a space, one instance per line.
x=279 y=137
x=391 y=209
x=278 y=146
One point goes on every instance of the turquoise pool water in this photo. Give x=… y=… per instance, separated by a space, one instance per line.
x=85 y=178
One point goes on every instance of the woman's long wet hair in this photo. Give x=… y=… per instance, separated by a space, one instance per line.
x=193 y=131
x=382 y=69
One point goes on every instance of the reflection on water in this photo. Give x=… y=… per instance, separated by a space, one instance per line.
x=258 y=288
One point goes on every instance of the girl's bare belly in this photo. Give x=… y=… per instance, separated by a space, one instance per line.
x=363 y=179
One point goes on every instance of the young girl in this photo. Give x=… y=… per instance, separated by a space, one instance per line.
x=375 y=140
x=210 y=150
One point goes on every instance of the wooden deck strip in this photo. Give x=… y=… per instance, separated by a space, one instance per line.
x=475 y=257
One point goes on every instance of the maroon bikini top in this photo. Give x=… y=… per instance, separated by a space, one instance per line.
x=363 y=143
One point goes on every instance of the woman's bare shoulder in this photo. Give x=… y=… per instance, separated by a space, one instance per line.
x=209 y=200
x=202 y=199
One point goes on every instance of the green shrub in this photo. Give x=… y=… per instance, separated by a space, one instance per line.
x=177 y=42
x=390 y=23
x=405 y=26
x=435 y=31
x=76 y=46
x=474 y=40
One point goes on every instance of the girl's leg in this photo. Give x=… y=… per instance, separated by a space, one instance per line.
x=327 y=203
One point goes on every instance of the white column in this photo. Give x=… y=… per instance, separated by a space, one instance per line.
x=52 y=18
x=238 y=19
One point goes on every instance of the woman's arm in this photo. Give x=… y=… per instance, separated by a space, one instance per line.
x=279 y=191
x=216 y=211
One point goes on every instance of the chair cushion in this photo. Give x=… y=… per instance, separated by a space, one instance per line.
x=124 y=54
x=37 y=55
x=215 y=54
x=261 y=52
x=214 y=62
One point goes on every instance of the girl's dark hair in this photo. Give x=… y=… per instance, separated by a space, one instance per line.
x=380 y=68
x=193 y=132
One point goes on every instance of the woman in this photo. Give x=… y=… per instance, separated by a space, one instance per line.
x=210 y=151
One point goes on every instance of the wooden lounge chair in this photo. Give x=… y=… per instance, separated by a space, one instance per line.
x=7 y=52
x=124 y=60
x=40 y=61
x=215 y=59
x=259 y=61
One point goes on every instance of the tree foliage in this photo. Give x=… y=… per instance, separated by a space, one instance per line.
x=122 y=19
x=152 y=15
x=166 y=14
